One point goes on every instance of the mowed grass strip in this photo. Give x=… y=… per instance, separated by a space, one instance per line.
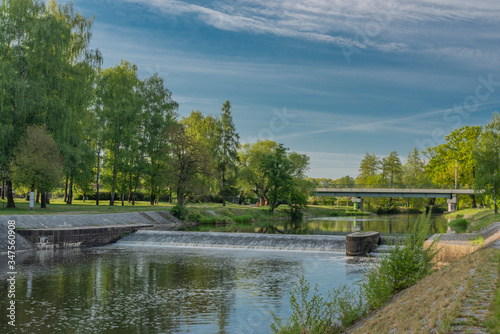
x=432 y=304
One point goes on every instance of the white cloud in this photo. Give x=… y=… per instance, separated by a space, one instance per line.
x=353 y=24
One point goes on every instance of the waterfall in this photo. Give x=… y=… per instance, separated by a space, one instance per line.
x=317 y=243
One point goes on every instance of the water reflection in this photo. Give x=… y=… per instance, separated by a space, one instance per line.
x=385 y=224
x=170 y=290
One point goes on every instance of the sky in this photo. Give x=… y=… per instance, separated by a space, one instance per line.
x=332 y=79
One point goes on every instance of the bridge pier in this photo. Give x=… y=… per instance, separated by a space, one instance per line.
x=452 y=203
x=358 y=203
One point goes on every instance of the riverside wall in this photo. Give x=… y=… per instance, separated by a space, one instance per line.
x=60 y=231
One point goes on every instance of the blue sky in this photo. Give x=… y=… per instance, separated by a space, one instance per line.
x=331 y=79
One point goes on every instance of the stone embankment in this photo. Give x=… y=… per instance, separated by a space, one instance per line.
x=49 y=231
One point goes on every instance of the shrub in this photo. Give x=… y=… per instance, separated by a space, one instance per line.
x=243 y=219
x=406 y=263
x=315 y=314
x=179 y=212
x=460 y=225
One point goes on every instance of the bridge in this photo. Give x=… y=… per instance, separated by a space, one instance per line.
x=358 y=193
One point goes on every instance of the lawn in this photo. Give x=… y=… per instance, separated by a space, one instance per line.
x=195 y=211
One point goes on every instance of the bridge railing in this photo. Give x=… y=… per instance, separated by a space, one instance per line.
x=398 y=186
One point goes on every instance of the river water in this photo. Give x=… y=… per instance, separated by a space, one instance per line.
x=127 y=288
x=132 y=289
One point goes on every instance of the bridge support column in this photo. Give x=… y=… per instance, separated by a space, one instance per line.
x=358 y=203
x=452 y=204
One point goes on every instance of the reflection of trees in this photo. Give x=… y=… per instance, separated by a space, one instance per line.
x=129 y=292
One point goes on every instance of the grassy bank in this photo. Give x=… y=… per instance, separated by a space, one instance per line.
x=478 y=218
x=434 y=303
x=208 y=213
x=57 y=206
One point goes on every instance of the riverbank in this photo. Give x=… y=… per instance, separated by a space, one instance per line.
x=478 y=218
x=199 y=213
x=457 y=298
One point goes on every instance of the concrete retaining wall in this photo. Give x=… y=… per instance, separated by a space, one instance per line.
x=454 y=246
x=79 y=230
x=77 y=236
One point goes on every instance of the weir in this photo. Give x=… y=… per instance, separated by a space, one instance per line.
x=316 y=243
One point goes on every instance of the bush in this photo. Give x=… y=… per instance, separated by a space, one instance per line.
x=460 y=225
x=317 y=315
x=243 y=219
x=179 y=212
x=406 y=263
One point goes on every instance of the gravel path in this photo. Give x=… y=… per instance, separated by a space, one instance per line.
x=474 y=310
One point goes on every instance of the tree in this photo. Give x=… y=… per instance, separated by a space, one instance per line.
x=37 y=163
x=286 y=180
x=120 y=108
x=369 y=171
x=227 y=156
x=251 y=175
x=458 y=148
x=391 y=170
x=414 y=175
x=45 y=64
x=187 y=160
x=277 y=167
x=158 y=115
x=487 y=157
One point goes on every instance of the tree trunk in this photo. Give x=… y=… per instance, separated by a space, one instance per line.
x=113 y=183
x=37 y=199
x=495 y=200
x=223 y=187
x=83 y=198
x=152 y=199
x=3 y=187
x=66 y=190
x=179 y=197
x=97 y=178
x=123 y=198
x=169 y=195
x=135 y=190
x=473 y=197
x=10 y=196
x=43 y=204
x=70 y=194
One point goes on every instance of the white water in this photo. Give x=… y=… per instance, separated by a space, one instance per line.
x=317 y=243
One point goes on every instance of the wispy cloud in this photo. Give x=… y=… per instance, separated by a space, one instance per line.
x=359 y=24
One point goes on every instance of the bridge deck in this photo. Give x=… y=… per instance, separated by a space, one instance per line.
x=392 y=192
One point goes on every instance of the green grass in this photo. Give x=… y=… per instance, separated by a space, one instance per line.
x=479 y=218
x=57 y=206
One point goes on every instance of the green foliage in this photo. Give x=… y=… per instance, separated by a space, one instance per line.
x=37 y=163
x=487 y=157
x=477 y=241
x=460 y=225
x=459 y=147
x=318 y=315
x=406 y=263
x=179 y=212
x=243 y=219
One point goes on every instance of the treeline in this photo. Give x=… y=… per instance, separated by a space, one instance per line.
x=65 y=122
x=469 y=158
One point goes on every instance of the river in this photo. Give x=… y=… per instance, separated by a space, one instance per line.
x=125 y=288
x=131 y=289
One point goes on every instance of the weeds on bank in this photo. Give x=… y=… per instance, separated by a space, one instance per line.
x=406 y=263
